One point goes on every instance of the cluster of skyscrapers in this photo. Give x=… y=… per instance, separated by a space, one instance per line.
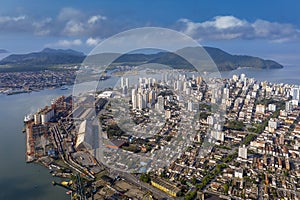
x=145 y=95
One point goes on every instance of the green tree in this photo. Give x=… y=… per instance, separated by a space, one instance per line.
x=191 y=195
x=145 y=178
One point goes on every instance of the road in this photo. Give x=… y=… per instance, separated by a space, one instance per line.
x=133 y=179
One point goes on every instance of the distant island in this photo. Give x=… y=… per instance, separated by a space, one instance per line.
x=48 y=59
x=3 y=51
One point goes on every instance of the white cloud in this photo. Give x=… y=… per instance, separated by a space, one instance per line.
x=66 y=43
x=74 y=28
x=5 y=19
x=96 y=18
x=278 y=32
x=69 y=14
x=230 y=27
x=224 y=22
x=42 y=27
x=92 y=41
x=71 y=22
x=76 y=23
x=68 y=22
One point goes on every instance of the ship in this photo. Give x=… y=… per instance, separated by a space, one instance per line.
x=28 y=118
x=64 y=87
x=12 y=92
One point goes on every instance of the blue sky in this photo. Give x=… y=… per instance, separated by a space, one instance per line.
x=269 y=29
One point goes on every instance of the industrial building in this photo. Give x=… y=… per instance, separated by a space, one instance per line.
x=43 y=116
x=165 y=186
x=85 y=136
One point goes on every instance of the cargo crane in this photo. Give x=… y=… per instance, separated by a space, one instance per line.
x=77 y=189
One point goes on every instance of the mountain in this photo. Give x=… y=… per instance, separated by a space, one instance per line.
x=52 y=57
x=223 y=60
x=41 y=60
x=226 y=61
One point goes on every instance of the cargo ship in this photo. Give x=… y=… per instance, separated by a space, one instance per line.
x=12 y=92
x=28 y=118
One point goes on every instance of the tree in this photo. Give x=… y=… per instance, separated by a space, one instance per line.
x=236 y=125
x=191 y=195
x=226 y=188
x=145 y=178
x=194 y=181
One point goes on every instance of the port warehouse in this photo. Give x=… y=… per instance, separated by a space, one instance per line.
x=37 y=129
x=46 y=114
x=165 y=186
x=82 y=113
x=85 y=136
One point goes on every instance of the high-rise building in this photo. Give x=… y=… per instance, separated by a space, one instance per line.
x=127 y=82
x=243 y=152
x=160 y=103
x=168 y=114
x=185 y=85
x=260 y=109
x=124 y=82
x=190 y=106
x=179 y=85
x=296 y=93
x=226 y=93
x=125 y=90
x=243 y=77
x=145 y=99
x=210 y=120
x=235 y=78
x=273 y=124
x=218 y=135
x=141 y=103
x=199 y=80
x=152 y=97
x=272 y=107
x=288 y=106
x=188 y=91
x=281 y=139
x=134 y=99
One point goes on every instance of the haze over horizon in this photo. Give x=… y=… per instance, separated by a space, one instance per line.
x=256 y=28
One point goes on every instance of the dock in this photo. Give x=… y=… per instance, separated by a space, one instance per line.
x=30 y=150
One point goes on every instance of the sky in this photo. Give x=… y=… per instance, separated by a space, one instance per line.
x=263 y=28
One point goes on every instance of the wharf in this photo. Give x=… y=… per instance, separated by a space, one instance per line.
x=30 y=152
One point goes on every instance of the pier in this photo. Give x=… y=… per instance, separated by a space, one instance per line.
x=30 y=152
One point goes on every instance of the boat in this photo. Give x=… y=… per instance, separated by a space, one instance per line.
x=28 y=118
x=12 y=92
x=64 y=87
x=69 y=192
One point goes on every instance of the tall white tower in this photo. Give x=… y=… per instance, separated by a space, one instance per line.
x=243 y=152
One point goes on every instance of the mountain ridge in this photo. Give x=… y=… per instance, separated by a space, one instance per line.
x=49 y=57
x=3 y=51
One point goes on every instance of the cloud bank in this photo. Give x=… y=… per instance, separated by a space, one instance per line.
x=230 y=27
x=71 y=25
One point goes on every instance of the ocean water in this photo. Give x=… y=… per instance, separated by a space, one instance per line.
x=288 y=74
x=19 y=180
